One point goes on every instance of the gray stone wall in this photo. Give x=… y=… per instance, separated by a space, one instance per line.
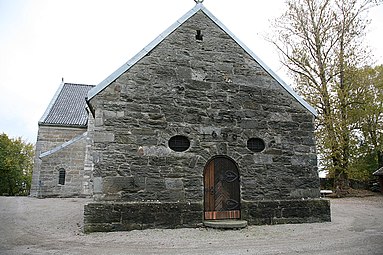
x=88 y=160
x=219 y=97
x=49 y=137
x=214 y=93
x=45 y=171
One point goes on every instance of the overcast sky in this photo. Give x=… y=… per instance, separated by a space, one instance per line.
x=84 y=41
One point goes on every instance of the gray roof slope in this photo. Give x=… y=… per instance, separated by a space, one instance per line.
x=68 y=106
x=199 y=7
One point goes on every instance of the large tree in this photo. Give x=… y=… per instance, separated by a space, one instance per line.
x=16 y=162
x=320 y=41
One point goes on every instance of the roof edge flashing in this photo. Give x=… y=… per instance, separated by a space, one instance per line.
x=287 y=87
x=63 y=145
x=52 y=102
x=199 y=6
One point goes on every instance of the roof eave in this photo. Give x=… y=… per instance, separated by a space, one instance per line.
x=62 y=125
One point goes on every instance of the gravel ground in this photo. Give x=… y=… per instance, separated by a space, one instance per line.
x=54 y=226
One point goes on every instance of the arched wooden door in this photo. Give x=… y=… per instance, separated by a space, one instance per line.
x=222 y=191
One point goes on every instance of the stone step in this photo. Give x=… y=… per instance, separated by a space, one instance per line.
x=225 y=224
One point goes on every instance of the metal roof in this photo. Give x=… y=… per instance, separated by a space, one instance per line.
x=198 y=7
x=379 y=172
x=68 y=106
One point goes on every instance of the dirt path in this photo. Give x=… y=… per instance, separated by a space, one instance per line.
x=53 y=226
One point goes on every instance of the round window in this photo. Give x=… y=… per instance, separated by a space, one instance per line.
x=179 y=143
x=256 y=144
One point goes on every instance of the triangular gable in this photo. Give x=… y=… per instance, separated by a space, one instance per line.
x=199 y=7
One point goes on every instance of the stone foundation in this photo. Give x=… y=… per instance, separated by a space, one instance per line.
x=286 y=211
x=123 y=216
x=119 y=216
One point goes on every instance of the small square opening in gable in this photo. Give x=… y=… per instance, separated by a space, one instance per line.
x=199 y=35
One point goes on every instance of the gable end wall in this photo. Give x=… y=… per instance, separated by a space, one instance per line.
x=214 y=93
x=45 y=169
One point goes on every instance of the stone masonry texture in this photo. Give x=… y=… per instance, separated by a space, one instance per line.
x=218 y=96
x=46 y=169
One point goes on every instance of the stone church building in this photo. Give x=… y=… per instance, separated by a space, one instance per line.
x=194 y=128
x=61 y=167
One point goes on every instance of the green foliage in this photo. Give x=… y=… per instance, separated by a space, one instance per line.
x=320 y=42
x=367 y=118
x=16 y=163
x=362 y=167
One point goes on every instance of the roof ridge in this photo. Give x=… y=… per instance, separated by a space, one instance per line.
x=79 y=84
